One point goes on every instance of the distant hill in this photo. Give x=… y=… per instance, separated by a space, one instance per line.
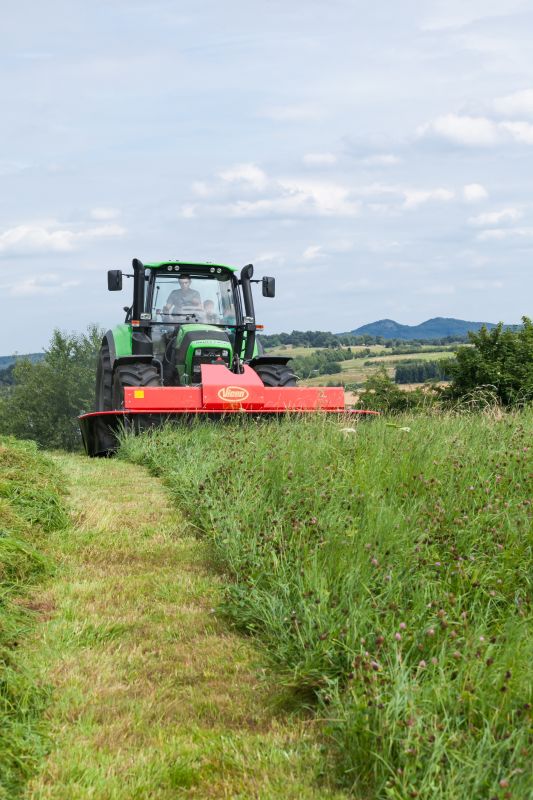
x=437 y=328
x=6 y=361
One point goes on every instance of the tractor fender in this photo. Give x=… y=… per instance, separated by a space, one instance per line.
x=118 y=342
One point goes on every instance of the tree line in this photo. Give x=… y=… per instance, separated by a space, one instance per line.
x=421 y=371
x=327 y=339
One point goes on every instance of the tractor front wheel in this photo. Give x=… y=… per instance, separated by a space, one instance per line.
x=136 y=375
x=276 y=374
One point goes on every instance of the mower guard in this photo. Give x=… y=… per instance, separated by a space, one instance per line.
x=220 y=393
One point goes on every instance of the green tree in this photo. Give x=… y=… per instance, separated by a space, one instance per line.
x=48 y=396
x=499 y=359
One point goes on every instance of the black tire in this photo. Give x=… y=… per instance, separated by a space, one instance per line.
x=104 y=381
x=133 y=375
x=276 y=374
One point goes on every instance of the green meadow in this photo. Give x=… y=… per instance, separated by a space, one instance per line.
x=384 y=571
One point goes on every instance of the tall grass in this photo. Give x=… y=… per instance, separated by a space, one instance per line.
x=387 y=570
x=30 y=508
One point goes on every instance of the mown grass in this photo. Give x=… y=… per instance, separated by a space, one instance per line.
x=31 y=508
x=153 y=696
x=387 y=572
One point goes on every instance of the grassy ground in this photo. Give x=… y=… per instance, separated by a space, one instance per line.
x=30 y=510
x=387 y=571
x=152 y=696
x=357 y=370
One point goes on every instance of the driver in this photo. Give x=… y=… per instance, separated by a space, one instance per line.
x=178 y=299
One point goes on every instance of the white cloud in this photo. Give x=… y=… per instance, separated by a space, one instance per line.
x=473 y=192
x=496 y=217
x=269 y=257
x=295 y=197
x=497 y=234
x=201 y=189
x=47 y=238
x=320 y=159
x=518 y=104
x=105 y=213
x=42 y=284
x=8 y=167
x=301 y=112
x=481 y=284
x=188 y=211
x=453 y=14
x=521 y=131
x=437 y=289
x=477 y=131
x=312 y=252
x=381 y=160
x=465 y=130
x=249 y=174
x=417 y=197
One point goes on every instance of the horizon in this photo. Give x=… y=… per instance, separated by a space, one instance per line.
x=375 y=160
x=351 y=331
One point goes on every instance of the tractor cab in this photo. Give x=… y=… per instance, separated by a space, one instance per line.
x=183 y=315
x=193 y=313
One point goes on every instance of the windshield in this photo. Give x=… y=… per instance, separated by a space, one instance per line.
x=189 y=297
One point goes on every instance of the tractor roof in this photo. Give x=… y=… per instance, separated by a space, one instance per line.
x=195 y=264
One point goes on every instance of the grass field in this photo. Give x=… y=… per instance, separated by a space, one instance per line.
x=149 y=694
x=31 y=510
x=358 y=370
x=386 y=571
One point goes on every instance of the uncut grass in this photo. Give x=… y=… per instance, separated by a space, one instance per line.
x=31 y=508
x=388 y=574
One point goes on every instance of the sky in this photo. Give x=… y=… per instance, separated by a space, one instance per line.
x=376 y=158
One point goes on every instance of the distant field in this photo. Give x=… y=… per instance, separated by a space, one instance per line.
x=290 y=350
x=357 y=370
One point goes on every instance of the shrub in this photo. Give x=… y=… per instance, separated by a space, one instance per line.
x=499 y=359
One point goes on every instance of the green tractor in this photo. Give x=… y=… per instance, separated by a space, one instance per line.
x=184 y=315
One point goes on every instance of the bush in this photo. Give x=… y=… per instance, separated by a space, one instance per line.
x=49 y=395
x=382 y=394
x=501 y=360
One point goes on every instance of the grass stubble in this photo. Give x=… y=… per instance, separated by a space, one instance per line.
x=153 y=696
x=386 y=570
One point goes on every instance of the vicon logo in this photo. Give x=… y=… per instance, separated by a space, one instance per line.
x=233 y=394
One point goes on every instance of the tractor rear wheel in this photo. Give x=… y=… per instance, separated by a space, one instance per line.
x=136 y=375
x=104 y=381
x=276 y=374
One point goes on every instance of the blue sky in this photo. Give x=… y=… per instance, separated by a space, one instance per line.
x=375 y=158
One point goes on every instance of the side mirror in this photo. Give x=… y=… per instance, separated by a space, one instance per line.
x=114 y=280
x=269 y=287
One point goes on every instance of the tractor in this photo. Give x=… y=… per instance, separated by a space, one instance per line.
x=188 y=346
